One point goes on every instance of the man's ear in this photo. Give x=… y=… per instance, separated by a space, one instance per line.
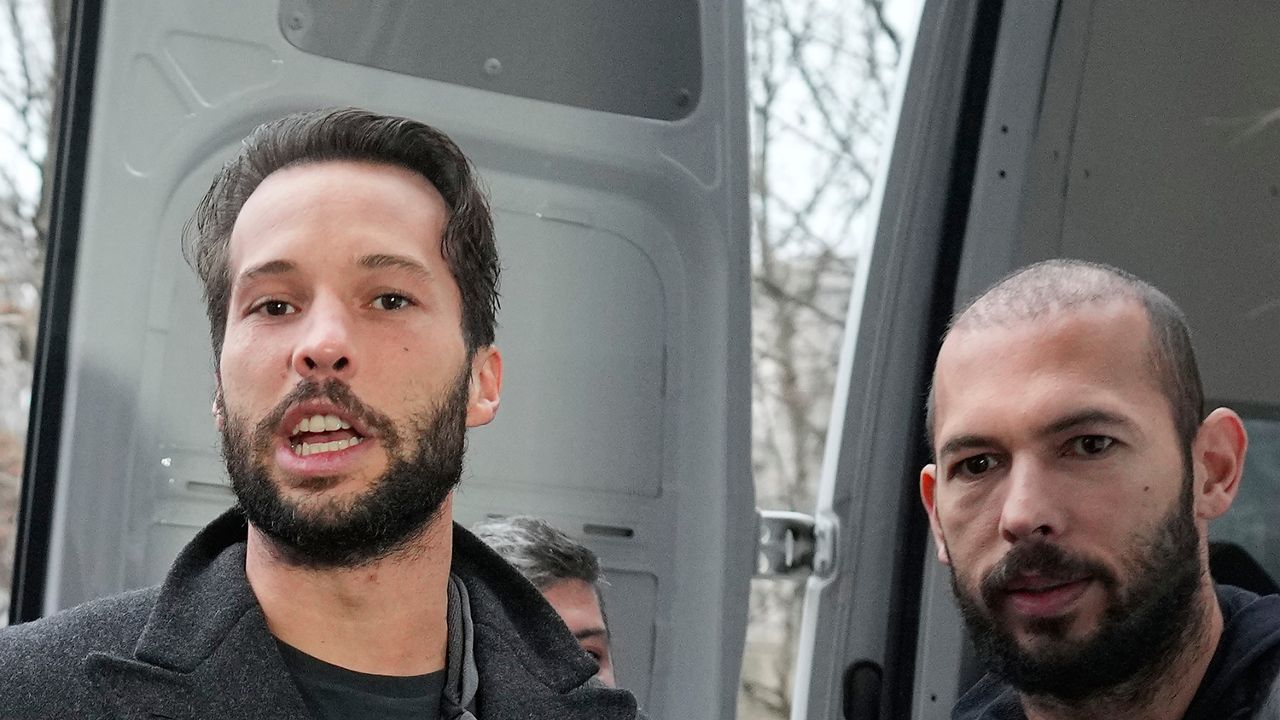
x=486 y=386
x=928 y=488
x=1217 y=457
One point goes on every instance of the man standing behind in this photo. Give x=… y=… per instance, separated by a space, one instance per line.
x=567 y=574
x=1075 y=477
x=350 y=272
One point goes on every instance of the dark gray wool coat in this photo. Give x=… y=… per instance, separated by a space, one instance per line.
x=198 y=647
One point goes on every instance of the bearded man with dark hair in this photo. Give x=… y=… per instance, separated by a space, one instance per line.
x=351 y=276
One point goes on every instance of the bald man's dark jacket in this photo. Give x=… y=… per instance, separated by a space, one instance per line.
x=1242 y=681
x=198 y=647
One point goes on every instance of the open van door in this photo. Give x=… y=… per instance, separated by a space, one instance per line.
x=613 y=138
x=856 y=657
x=1141 y=134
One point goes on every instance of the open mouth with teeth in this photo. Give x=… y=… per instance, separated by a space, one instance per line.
x=322 y=434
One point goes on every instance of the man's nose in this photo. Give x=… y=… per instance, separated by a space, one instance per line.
x=325 y=347
x=1033 y=503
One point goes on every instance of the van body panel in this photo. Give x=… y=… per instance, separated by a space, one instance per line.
x=625 y=318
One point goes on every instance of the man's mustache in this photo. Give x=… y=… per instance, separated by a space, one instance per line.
x=340 y=395
x=1043 y=560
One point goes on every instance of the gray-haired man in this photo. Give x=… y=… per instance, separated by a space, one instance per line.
x=565 y=571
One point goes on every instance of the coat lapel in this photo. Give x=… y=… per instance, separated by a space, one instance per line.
x=205 y=651
x=231 y=684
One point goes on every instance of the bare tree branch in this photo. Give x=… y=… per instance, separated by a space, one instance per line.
x=885 y=28
x=776 y=292
x=820 y=75
x=28 y=93
x=769 y=697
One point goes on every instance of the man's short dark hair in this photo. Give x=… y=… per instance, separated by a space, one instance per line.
x=1064 y=284
x=357 y=135
x=542 y=554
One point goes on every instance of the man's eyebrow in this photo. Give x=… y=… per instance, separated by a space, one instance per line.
x=383 y=260
x=964 y=442
x=591 y=633
x=1088 y=416
x=271 y=267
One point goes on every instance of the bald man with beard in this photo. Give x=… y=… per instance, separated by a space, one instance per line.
x=1075 y=478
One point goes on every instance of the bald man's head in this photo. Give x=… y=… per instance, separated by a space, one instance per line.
x=1057 y=286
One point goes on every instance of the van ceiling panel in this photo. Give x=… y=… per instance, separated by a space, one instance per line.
x=624 y=326
x=634 y=58
x=1170 y=169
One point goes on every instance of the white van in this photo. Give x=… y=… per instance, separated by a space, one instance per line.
x=613 y=138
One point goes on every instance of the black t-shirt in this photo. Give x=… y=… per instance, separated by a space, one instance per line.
x=336 y=693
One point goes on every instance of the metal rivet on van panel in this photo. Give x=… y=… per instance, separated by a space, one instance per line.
x=492 y=66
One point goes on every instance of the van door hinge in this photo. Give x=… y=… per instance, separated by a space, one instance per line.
x=793 y=544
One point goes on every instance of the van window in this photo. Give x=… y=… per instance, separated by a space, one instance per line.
x=1251 y=524
x=27 y=89
x=633 y=60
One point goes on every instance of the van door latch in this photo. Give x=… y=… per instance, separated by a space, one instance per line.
x=792 y=544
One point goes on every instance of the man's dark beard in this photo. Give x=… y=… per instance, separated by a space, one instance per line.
x=1141 y=632
x=384 y=518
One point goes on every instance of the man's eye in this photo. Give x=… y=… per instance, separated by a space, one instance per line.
x=275 y=308
x=391 y=301
x=1091 y=444
x=977 y=465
